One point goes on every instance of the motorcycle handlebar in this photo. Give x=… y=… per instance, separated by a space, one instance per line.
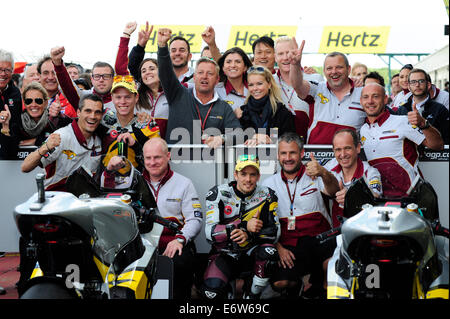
x=328 y=235
x=150 y=215
x=439 y=230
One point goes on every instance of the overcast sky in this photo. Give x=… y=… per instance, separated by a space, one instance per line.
x=90 y=30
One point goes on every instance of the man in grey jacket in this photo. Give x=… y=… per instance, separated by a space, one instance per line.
x=196 y=115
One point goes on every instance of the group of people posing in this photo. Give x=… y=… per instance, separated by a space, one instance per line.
x=153 y=104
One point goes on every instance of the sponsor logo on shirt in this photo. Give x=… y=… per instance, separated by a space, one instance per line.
x=323 y=99
x=70 y=155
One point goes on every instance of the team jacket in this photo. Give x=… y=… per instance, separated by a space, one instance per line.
x=73 y=151
x=362 y=169
x=224 y=207
x=177 y=201
x=141 y=132
x=308 y=208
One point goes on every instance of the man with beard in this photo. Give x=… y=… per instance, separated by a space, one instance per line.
x=433 y=112
x=302 y=213
x=390 y=141
x=196 y=108
x=334 y=102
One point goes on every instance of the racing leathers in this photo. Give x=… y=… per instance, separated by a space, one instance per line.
x=229 y=208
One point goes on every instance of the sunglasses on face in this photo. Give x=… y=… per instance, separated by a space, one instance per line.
x=248 y=157
x=123 y=78
x=38 y=101
x=256 y=69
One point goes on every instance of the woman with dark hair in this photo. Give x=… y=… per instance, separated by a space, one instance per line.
x=402 y=97
x=232 y=87
x=151 y=95
x=264 y=109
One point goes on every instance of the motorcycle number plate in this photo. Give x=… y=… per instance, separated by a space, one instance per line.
x=291 y=223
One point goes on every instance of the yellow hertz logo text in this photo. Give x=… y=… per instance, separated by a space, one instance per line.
x=243 y=36
x=192 y=33
x=354 y=39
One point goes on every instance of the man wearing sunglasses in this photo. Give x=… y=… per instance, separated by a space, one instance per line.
x=10 y=107
x=196 y=110
x=101 y=78
x=428 y=109
x=242 y=227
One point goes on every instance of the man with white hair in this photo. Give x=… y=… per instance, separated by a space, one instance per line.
x=10 y=107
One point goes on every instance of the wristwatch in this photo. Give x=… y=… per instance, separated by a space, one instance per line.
x=425 y=126
x=181 y=240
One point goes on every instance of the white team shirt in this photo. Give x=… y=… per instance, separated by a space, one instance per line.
x=390 y=144
x=329 y=115
x=72 y=153
x=308 y=207
x=227 y=93
x=177 y=198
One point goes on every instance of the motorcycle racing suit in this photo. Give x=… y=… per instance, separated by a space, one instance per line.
x=229 y=208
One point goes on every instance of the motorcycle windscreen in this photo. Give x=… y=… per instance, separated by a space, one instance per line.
x=420 y=192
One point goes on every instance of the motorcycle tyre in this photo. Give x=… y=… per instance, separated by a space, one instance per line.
x=47 y=290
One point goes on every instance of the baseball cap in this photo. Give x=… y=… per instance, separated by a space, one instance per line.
x=246 y=160
x=124 y=81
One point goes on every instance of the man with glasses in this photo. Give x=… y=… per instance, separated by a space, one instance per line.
x=195 y=109
x=242 y=227
x=10 y=107
x=390 y=141
x=303 y=215
x=101 y=78
x=430 y=112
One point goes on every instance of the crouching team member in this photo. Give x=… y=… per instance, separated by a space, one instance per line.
x=247 y=212
x=347 y=167
x=302 y=215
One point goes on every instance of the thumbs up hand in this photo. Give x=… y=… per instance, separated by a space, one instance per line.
x=5 y=116
x=313 y=168
x=340 y=195
x=414 y=117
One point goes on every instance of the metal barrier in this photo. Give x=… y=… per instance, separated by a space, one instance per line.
x=16 y=187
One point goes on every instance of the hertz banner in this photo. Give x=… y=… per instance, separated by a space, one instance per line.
x=239 y=36
x=319 y=39
x=192 y=33
x=243 y=36
x=353 y=39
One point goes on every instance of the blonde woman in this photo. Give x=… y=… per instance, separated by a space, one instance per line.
x=263 y=109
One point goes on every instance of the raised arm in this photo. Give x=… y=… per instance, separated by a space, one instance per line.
x=138 y=52
x=209 y=36
x=169 y=80
x=300 y=86
x=121 y=64
x=70 y=90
